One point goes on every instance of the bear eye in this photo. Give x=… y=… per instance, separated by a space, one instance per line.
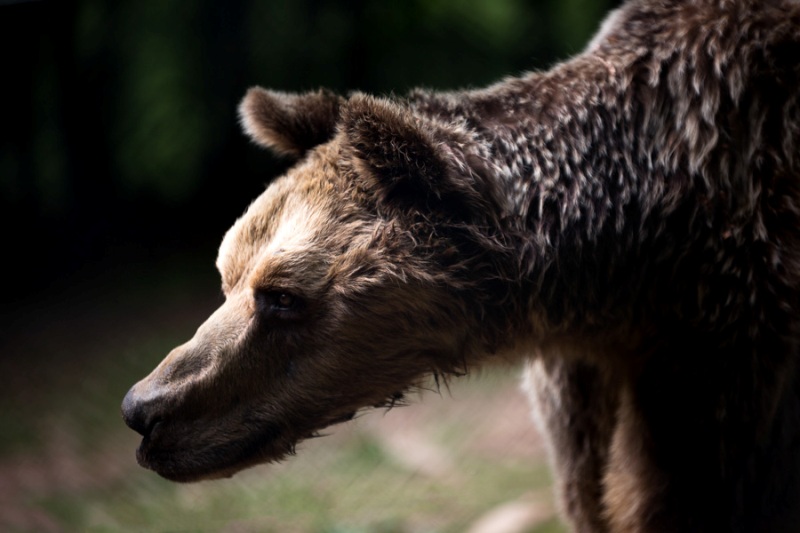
x=284 y=300
x=279 y=304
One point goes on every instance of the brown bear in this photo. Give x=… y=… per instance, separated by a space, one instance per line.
x=628 y=222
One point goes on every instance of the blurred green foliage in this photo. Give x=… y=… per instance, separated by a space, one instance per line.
x=119 y=117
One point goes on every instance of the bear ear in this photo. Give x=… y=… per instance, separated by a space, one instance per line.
x=407 y=161
x=290 y=124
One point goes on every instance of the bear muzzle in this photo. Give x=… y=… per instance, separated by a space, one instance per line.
x=140 y=416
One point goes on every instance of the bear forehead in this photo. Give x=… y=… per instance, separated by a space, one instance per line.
x=290 y=223
x=285 y=218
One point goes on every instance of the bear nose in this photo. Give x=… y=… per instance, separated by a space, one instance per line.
x=139 y=415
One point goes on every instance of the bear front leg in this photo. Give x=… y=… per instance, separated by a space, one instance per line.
x=574 y=407
x=707 y=438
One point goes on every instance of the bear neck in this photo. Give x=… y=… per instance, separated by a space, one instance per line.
x=560 y=150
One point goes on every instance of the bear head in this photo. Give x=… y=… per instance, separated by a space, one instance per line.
x=369 y=265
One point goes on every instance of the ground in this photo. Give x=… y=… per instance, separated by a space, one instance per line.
x=467 y=459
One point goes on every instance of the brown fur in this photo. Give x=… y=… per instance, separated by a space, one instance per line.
x=628 y=221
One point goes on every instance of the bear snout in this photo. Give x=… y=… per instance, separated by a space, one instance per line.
x=141 y=416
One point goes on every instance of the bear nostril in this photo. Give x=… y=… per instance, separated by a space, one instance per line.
x=139 y=415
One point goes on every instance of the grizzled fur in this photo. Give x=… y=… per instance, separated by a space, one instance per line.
x=628 y=221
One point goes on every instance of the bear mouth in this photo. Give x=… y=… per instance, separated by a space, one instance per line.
x=197 y=462
x=194 y=462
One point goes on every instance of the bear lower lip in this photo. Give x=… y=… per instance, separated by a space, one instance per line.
x=165 y=464
x=142 y=455
x=188 y=460
x=147 y=453
x=194 y=463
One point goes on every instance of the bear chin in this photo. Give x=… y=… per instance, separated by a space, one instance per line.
x=193 y=462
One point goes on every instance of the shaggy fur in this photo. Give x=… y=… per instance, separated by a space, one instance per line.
x=629 y=221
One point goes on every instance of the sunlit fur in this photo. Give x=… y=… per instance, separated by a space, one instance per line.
x=628 y=222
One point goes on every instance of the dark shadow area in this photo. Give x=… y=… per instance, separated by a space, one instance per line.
x=120 y=142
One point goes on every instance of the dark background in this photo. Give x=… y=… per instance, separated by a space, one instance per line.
x=120 y=141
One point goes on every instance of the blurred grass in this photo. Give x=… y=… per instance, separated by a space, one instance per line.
x=67 y=460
